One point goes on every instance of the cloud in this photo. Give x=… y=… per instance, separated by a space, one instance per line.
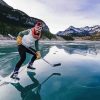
x=90 y=9
x=60 y=14
x=61 y=5
x=73 y=7
x=73 y=12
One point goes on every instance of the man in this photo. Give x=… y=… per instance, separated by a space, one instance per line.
x=25 y=41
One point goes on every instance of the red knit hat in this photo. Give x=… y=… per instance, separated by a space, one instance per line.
x=39 y=23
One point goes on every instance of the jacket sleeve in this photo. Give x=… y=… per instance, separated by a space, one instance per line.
x=37 y=45
x=22 y=33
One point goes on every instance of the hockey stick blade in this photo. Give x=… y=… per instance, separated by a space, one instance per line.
x=55 y=65
x=59 y=74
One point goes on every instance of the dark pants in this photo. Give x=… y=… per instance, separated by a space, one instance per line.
x=22 y=52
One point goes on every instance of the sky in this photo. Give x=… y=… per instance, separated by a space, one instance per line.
x=60 y=14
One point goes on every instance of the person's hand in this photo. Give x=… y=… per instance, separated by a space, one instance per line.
x=38 y=55
x=19 y=40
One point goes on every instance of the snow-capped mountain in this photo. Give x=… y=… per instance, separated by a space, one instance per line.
x=83 y=31
x=17 y=17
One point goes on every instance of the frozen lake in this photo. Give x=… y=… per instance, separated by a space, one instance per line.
x=79 y=79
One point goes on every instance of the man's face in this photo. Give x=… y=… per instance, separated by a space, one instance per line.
x=38 y=29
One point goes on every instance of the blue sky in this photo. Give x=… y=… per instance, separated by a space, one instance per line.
x=60 y=14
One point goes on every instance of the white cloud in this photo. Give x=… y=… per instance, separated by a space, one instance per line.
x=60 y=14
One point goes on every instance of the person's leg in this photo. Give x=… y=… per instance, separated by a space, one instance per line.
x=33 y=52
x=22 y=54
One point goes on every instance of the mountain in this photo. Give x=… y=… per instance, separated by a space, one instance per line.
x=12 y=21
x=83 y=31
x=16 y=17
x=4 y=4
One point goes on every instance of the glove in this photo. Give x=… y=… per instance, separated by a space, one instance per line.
x=38 y=55
x=19 y=40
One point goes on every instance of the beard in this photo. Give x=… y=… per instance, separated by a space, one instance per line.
x=36 y=34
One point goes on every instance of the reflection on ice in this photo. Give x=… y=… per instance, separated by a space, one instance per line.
x=80 y=71
x=81 y=49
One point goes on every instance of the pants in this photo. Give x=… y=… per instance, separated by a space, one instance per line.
x=22 y=52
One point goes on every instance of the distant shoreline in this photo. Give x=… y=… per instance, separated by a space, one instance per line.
x=14 y=41
x=2 y=37
x=9 y=39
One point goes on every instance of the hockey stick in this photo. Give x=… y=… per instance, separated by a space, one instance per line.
x=58 y=74
x=53 y=65
x=39 y=86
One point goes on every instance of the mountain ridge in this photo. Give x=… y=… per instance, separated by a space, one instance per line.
x=17 y=17
x=12 y=21
x=82 y=31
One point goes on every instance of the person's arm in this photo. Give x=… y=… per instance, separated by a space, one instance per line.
x=38 y=54
x=37 y=45
x=20 y=35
